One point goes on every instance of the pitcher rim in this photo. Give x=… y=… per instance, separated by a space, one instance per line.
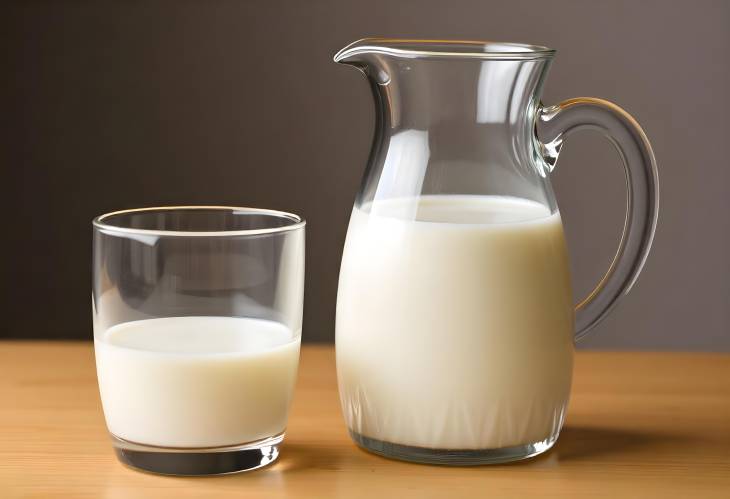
x=435 y=48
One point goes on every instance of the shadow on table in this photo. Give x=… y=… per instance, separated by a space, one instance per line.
x=299 y=457
x=575 y=443
x=582 y=442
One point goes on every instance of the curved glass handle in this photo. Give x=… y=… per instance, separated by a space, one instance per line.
x=642 y=182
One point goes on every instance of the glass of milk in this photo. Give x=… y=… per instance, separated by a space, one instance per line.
x=197 y=316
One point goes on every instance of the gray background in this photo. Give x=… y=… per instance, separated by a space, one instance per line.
x=124 y=104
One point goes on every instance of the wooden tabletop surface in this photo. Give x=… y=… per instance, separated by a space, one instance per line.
x=639 y=425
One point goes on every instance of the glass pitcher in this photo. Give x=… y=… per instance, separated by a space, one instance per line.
x=455 y=317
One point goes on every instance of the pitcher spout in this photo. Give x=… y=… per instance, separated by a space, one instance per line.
x=367 y=55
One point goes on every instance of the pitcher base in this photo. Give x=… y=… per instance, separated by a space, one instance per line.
x=453 y=457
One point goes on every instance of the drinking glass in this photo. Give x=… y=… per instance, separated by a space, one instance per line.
x=197 y=315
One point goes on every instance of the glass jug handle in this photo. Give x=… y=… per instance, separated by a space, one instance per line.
x=642 y=182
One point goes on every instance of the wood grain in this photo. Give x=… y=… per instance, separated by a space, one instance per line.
x=639 y=425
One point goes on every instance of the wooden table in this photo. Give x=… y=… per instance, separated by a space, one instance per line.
x=639 y=425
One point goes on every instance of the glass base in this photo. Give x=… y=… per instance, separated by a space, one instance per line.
x=198 y=461
x=453 y=457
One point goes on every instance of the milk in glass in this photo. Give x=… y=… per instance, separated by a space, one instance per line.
x=196 y=381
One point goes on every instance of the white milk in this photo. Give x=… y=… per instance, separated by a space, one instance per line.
x=455 y=331
x=196 y=381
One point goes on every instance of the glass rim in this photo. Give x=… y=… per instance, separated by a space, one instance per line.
x=472 y=49
x=297 y=222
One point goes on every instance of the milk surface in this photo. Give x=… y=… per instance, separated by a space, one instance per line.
x=196 y=381
x=455 y=322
